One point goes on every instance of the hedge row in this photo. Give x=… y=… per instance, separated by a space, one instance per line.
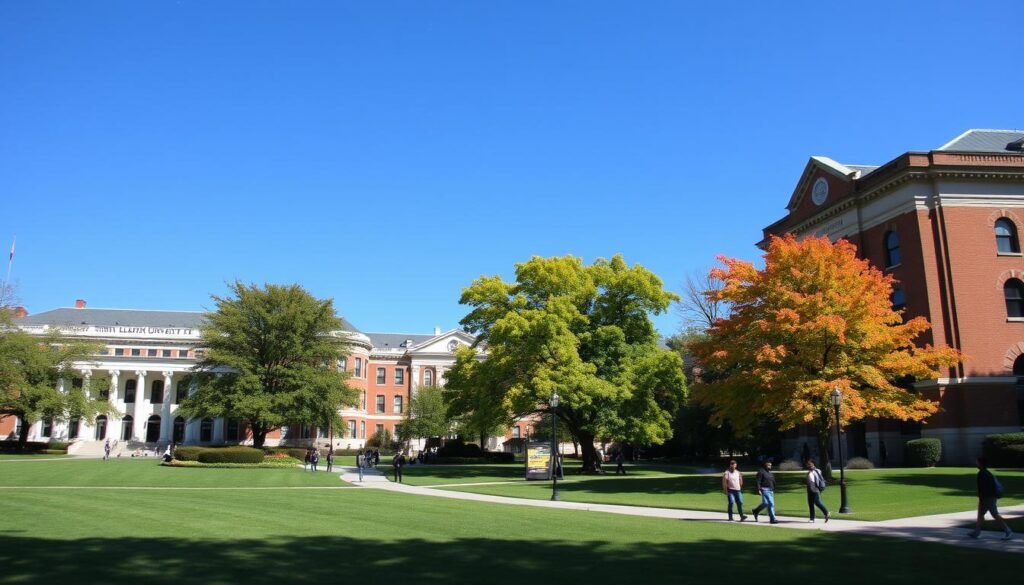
x=219 y=454
x=34 y=447
x=287 y=462
x=923 y=452
x=1005 y=450
x=489 y=457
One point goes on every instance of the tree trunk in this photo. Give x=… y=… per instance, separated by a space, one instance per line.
x=589 y=452
x=23 y=434
x=259 y=436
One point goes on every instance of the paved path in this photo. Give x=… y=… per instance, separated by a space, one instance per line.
x=940 y=528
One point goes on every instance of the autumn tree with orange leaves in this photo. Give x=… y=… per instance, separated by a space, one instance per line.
x=815 y=318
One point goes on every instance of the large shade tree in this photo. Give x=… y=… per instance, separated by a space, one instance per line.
x=33 y=372
x=427 y=415
x=272 y=359
x=583 y=332
x=815 y=318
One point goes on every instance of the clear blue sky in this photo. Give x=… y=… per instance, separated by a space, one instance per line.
x=386 y=154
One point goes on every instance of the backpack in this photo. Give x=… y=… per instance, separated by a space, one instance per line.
x=998 y=486
x=819 y=481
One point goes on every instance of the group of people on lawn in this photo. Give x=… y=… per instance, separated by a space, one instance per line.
x=988 y=488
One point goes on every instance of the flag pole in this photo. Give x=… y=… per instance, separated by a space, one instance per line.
x=10 y=261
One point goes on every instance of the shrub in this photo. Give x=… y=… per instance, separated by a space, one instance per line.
x=790 y=465
x=30 y=446
x=188 y=453
x=1005 y=450
x=57 y=446
x=859 y=463
x=457 y=448
x=231 y=455
x=924 y=452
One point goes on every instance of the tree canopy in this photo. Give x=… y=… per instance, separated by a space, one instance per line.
x=816 y=317
x=427 y=415
x=271 y=359
x=583 y=332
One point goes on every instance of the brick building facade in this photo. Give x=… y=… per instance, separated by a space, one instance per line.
x=946 y=224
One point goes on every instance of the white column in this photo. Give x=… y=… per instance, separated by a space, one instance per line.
x=141 y=408
x=85 y=428
x=440 y=372
x=414 y=379
x=113 y=420
x=166 y=424
x=59 y=428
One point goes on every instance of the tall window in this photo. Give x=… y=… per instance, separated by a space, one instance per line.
x=233 y=429
x=382 y=375
x=73 y=426
x=362 y=429
x=156 y=393
x=380 y=403
x=399 y=376
x=428 y=378
x=397 y=406
x=179 y=430
x=47 y=427
x=515 y=432
x=899 y=299
x=182 y=391
x=379 y=429
x=342 y=364
x=206 y=430
x=359 y=368
x=101 y=427
x=1013 y=292
x=1018 y=366
x=126 y=427
x=892 y=249
x=352 y=429
x=1006 y=237
x=129 y=390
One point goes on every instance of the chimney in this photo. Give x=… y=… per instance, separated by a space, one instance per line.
x=20 y=312
x=79 y=303
x=437 y=330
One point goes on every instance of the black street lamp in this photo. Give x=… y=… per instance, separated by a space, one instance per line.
x=837 y=401
x=554 y=444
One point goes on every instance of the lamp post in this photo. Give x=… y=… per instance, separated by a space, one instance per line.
x=554 y=444
x=837 y=401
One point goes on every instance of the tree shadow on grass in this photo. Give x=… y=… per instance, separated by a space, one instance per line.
x=330 y=559
x=951 y=483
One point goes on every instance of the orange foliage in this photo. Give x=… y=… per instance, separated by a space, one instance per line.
x=816 y=317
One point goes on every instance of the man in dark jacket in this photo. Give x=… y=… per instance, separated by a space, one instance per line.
x=766 y=487
x=398 y=463
x=988 y=497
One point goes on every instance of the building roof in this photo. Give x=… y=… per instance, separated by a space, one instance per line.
x=862 y=169
x=977 y=140
x=397 y=340
x=133 y=317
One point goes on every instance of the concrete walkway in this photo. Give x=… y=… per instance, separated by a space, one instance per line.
x=940 y=528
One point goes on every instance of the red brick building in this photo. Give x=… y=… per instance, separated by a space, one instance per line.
x=946 y=224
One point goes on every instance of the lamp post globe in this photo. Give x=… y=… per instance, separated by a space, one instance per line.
x=554 y=447
x=837 y=401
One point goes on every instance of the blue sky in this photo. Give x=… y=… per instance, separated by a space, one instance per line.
x=386 y=154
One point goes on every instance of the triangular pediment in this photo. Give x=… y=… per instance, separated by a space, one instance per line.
x=821 y=170
x=446 y=342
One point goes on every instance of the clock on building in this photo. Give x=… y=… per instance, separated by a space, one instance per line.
x=820 y=191
x=453 y=345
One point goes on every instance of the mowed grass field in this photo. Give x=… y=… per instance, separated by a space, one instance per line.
x=130 y=522
x=878 y=494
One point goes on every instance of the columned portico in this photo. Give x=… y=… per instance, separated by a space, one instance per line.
x=167 y=425
x=141 y=412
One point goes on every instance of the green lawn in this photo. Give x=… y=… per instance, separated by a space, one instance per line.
x=879 y=494
x=428 y=475
x=290 y=536
x=148 y=472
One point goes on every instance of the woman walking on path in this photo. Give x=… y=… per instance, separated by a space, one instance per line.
x=360 y=462
x=815 y=484
x=989 y=492
x=314 y=458
x=330 y=459
x=732 y=485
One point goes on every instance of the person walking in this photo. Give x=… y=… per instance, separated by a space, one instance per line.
x=305 y=462
x=360 y=462
x=815 y=484
x=330 y=459
x=989 y=492
x=106 y=450
x=314 y=458
x=732 y=486
x=619 y=459
x=397 y=463
x=766 y=487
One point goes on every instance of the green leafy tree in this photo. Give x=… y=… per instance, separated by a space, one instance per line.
x=427 y=416
x=271 y=359
x=478 y=411
x=583 y=332
x=32 y=368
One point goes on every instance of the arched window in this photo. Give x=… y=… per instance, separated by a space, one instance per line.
x=179 y=430
x=428 y=378
x=892 y=249
x=129 y=390
x=206 y=430
x=153 y=429
x=126 y=428
x=1006 y=237
x=1013 y=292
x=156 y=392
x=1018 y=366
x=101 y=427
x=899 y=299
